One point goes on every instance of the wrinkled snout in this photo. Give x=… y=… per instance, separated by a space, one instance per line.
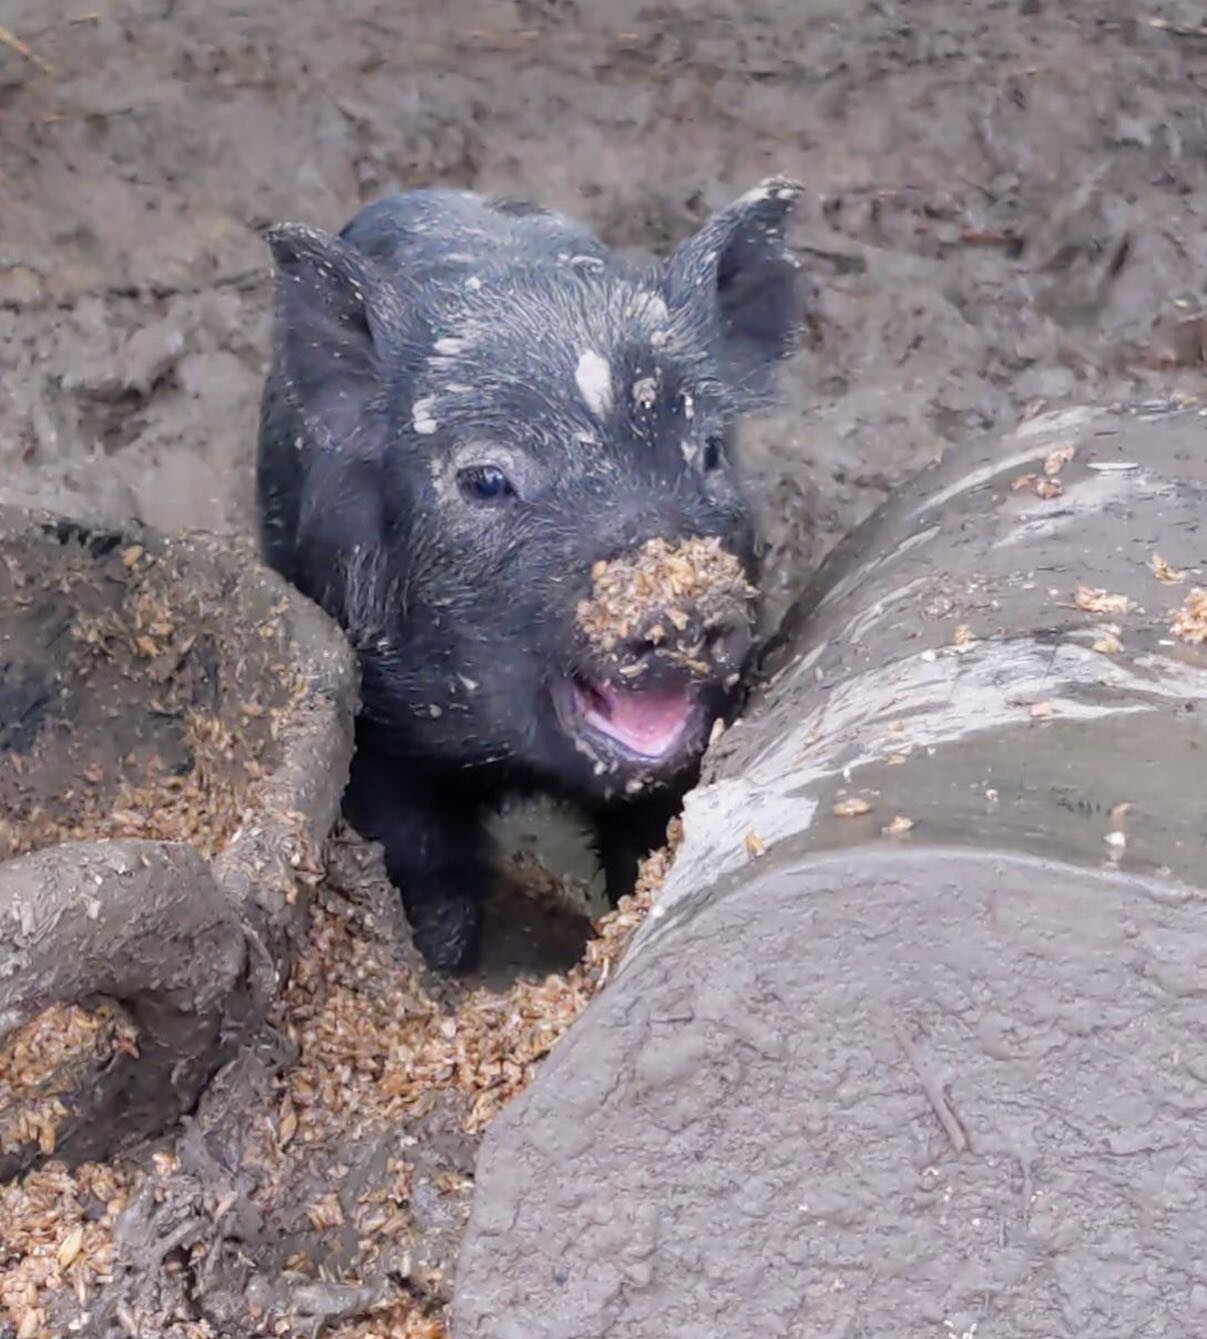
x=686 y=606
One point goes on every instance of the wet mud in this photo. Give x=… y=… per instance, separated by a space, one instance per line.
x=1006 y=203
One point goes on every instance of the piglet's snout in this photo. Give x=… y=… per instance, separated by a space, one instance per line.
x=686 y=604
x=708 y=642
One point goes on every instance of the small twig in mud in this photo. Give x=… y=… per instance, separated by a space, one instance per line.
x=933 y=1090
x=1179 y=29
x=12 y=41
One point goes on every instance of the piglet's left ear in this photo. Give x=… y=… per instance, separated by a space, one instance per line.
x=739 y=260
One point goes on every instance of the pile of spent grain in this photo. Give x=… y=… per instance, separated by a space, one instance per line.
x=374 y=1050
x=660 y=580
x=56 y=1236
x=41 y=1063
x=203 y=807
x=373 y=1045
x=379 y=1063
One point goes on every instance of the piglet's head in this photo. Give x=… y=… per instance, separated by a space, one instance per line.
x=522 y=492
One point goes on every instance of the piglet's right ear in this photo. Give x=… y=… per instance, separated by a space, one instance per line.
x=334 y=316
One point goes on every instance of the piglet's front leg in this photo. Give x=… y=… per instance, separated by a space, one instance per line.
x=627 y=833
x=436 y=855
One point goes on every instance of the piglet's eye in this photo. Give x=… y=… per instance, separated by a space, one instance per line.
x=484 y=483
x=712 y=455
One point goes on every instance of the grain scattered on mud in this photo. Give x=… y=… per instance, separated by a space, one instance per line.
x=146 y=657
x=395 y=1320
x=204 y=807
x=1057 y=459
x=1107 y=643
x=1190 y=621
x=1165 y=574
x=1046 y=489
x=1093 y=601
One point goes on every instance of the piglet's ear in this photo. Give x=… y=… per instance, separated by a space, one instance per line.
x=334 y=316
x=739 y=261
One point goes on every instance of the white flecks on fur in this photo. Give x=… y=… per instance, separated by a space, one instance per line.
x=586 y=439
x=689 y=406
x=753 y=196
x=688 y=451
x=593 y=376
x=590 y=262
x=473 y=283
x=645 y=392
x=421 y=416
x=450 y=345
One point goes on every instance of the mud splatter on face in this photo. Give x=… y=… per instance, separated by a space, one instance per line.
x=594 y=377
x=421 y=417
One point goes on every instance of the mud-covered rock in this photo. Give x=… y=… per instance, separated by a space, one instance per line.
x=175 y=732
x=911 y=1041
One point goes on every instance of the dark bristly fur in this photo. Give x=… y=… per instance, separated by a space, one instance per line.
x=441 y=333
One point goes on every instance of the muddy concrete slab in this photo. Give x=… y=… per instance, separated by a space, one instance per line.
x=878 y=1092
x=991 y=665
x=907 y=1041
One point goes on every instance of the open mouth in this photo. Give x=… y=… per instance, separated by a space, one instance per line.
x=650 y=724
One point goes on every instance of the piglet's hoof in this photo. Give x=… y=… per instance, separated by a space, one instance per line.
x=447 y=932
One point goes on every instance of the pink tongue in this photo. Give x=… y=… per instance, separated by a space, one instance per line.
x=647 y=723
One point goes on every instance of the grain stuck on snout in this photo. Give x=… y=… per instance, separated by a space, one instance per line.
x=660 y=580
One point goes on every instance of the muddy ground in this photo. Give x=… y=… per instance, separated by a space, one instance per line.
x=1006 y=208
x=1006 y=204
